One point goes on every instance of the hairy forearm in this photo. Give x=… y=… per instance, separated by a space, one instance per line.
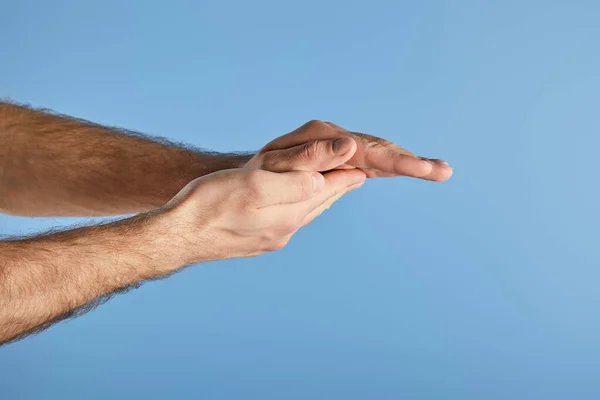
x=54 y=276
x=53 y=165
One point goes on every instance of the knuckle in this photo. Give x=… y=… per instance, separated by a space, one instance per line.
x=289 y=226
x=299 y=222
x=252 y=180
x=273 y=163
x=277 y=245
x=251 y=189
x=334 y=126
x=315 y=124
x=310 y=150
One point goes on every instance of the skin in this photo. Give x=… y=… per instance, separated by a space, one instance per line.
x=377 y=157
x=191 y=206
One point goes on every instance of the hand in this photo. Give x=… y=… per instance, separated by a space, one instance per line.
x=323 y=146
x=244 y=213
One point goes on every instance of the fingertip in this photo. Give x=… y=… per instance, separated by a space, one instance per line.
x=440 y=174
x=446 y=173
x=425 y=168
x=443 y=170
x=361 y=182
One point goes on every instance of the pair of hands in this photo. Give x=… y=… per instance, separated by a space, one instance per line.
x=287 y=184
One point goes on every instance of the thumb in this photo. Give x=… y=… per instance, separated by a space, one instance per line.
x=316 y=155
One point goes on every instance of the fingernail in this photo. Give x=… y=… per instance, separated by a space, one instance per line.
x=318 y=182
x=342 y=145
x=436 y=160
x=427 y=165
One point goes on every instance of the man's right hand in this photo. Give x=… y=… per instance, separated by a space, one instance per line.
x=247 y=212
x=323 y=146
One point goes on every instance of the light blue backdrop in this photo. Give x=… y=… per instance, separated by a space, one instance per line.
x=482 y=287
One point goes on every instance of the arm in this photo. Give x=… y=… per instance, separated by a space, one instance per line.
x=234 y=213
x=53 y=165
x=58 y=275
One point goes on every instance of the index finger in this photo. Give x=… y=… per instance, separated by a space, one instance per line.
x=386 y=160
x=390 y=160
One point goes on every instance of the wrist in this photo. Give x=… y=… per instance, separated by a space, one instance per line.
x=239 y=160
x=157 y=238
x=173 y=238
x=222 y=161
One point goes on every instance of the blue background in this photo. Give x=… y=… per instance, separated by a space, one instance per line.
x=485 y=286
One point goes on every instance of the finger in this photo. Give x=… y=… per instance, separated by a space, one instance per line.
x=374 y=173
x=313 y=130
x=374 y=157
x=317 y=155
x=370 y=139
x=400 y=150
x=337 y=183
x=389 y=161
x=440 y=172
x=328 y=203
x=283 y=188
x=385 y=157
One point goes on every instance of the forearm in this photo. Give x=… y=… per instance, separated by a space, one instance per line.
x=52 y=165
x=47 y=278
